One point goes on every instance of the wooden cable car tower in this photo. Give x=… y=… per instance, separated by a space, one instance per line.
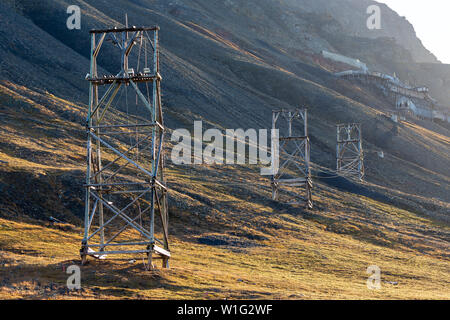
x=349 y=151
x=292 y=183
x=126 y=209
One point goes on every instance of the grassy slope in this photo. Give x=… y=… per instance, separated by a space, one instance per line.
x=308 y=255
x=228 y=239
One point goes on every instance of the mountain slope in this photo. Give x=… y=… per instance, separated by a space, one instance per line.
x=228 y=64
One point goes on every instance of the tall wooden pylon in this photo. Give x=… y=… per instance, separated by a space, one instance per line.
x=349 y=151
x=292 y=183
x=126 y=209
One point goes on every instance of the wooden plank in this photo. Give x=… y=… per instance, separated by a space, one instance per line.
x=292 y=138
x=161 y=251
x=118 y=30
x=109 y=80
x=121 y=244
x=286 y=181
x=97 y=255
x=105 y=253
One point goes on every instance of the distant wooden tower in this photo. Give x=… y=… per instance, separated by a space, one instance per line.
x=349 y=151
x=126 y=210
x=292 y=183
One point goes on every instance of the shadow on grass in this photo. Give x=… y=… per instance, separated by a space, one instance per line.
x=99 y=280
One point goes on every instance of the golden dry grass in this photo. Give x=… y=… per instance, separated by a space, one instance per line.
x=308 y=262
x=322 y=254
x=273 y=251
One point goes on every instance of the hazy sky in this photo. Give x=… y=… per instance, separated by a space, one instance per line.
x=431 y=20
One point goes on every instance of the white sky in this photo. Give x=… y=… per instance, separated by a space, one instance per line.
x=431 y=20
